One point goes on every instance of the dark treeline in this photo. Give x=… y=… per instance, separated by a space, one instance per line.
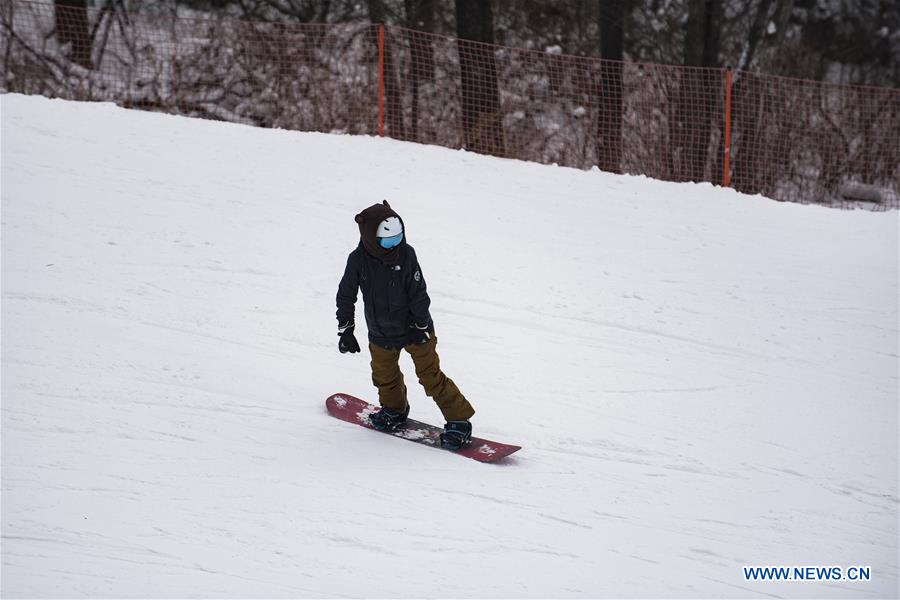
x=851 y=41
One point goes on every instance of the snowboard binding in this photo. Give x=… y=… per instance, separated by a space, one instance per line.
x=386 y=419
x=456 y=434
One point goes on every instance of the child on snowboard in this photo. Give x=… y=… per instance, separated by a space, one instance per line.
x=396 y=305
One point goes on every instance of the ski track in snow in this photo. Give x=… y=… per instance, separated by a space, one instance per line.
x=700 y=380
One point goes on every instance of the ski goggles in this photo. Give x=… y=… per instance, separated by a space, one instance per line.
x=390 y=242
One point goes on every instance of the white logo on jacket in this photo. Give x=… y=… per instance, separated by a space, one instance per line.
x=417 y=276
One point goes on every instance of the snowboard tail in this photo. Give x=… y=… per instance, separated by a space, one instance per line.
x=353 y=410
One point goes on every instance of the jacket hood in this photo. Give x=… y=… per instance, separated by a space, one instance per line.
x=368 y=221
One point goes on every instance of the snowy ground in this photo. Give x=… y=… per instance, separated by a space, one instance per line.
x=701 y=380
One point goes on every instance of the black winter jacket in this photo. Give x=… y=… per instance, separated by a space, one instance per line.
x=394 y=296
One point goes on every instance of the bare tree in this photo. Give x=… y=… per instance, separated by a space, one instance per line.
x=754 y=36
x=609 y=121
x=699 y=93
x=73 y=29
x=420 y=16
x=481 y=116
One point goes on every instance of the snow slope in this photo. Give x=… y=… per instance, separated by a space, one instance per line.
x=701 y=380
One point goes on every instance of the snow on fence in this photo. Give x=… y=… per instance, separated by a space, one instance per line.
x=788 y=139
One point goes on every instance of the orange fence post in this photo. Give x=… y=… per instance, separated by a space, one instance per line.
x=726 y=174
x=381 y=80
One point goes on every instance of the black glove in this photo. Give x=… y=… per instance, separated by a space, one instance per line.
x=348 y=342
x=419 y=333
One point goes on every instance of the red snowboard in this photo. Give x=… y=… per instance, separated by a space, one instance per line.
x=353 y=410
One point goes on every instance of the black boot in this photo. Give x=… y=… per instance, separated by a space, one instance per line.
x=387 y=419
x=456 y=434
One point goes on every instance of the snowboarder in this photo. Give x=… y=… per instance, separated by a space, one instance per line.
x=396 y=303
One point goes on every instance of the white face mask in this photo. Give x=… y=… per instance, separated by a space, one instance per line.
x=390 y=227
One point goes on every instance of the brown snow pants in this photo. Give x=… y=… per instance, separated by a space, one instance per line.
x=388 y=379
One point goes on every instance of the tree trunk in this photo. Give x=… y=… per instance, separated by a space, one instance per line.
x=419 y=17
x=699 y=93
x=72 y=28
x=481 y=117
x=712 y=20
x=611 y=100
x=755 y=35
x=422 y=17
x=748 y=102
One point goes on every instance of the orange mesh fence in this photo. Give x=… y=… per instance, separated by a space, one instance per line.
x=811 y=141
x=309 y=77
x=787 y=139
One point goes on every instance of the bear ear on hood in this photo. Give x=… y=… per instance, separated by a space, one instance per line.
x=385 y=202
x=359 y=218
